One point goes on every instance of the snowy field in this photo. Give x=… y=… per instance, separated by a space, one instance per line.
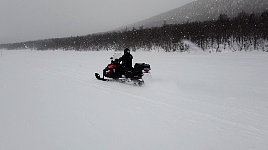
x=51 y=100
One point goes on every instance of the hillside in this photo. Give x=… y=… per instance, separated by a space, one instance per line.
x=203 y=10
x=245 y=32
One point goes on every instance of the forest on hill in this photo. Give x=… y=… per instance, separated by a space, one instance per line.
x=244 y=32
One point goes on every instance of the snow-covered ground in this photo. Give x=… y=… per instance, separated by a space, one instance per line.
x=50 y=100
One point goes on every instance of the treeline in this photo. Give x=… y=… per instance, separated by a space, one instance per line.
x=244 y=32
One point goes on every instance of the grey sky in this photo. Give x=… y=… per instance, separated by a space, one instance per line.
x=23 y=20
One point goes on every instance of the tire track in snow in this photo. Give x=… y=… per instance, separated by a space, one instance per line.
x=250 y=129
x=76 y=76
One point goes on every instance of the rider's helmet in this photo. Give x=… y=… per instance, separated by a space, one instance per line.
x=126 y=51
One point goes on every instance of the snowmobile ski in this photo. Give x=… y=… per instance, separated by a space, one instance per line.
x=99 y=77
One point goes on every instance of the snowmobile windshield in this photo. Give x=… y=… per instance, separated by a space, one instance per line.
x=116 y=56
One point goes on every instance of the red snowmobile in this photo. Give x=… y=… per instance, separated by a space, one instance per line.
x=115 y=71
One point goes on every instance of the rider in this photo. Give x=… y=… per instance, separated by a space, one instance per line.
x=126 y=60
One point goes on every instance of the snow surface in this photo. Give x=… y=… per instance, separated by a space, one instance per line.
x=50 y=100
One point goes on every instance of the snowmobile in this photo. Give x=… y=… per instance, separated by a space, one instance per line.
x=116 y=72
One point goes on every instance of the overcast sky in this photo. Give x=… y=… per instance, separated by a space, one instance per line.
x=23 y=20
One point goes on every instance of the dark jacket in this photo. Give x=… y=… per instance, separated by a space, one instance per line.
x=126 y=60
